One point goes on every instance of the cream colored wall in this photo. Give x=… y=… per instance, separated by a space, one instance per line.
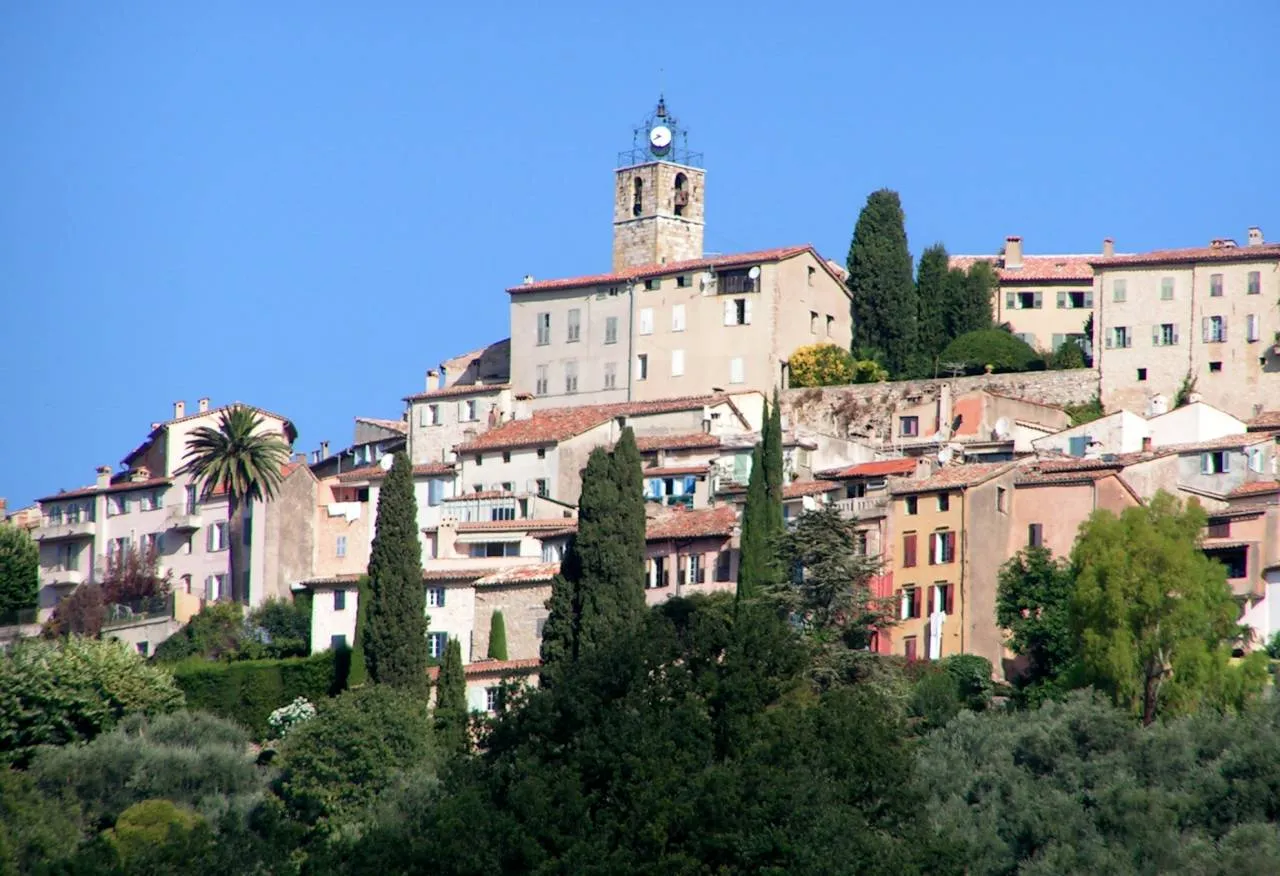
x=590 y=351
x=1050 y=319
x=523 y=608
x=805 y=286
x=457 y=617
x=434 y=443
x=327 y=622
x=1243 y=382
x=1058 y=508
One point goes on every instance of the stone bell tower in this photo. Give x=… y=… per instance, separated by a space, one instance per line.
x=659 y=189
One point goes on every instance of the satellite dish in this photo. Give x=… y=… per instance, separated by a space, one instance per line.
x=754 y=273
x=1002 y=428
x=944 y=455
x=386 y=461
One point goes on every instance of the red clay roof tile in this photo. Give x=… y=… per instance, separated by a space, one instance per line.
x=681 y=524
x=459 y=389
x=375 y=472
x=796 y=489
x=1267 y=251
x=952 y=477
x=1035 y=268
x=675 y=471
x=531 y=574
x=641 y=272
x=1255 y=488
x=691 y=441
x=879 y=468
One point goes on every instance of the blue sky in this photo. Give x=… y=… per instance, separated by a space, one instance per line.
x=305 y=205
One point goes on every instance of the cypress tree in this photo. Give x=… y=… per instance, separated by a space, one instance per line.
x=451 y=699
x=880 y=280
x=976 y=311
x=395 y=633
x=497 y=637
x=753 y=550
x=600 y=589
x=358 y=673
x=933 y=297
x=771 y=456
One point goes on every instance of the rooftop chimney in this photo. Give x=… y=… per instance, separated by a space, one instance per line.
x=324 y=449
x=1108 y=247
x=104 y=477
x=528 y=279
x=1013 y=252
x=1146 y=444
x=4 y=503
x=179 y=410
x=433 y=380
x=1255 y=236
x=203 y=405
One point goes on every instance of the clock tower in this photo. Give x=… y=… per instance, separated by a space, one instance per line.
x=658 y=196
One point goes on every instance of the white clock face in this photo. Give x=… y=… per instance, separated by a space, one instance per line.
x=660 y=137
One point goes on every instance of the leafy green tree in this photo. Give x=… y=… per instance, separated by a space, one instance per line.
x=497 y=636
x=358 y=672
x=282 y=627
x=994 y=347
x=1033 y=601
x=599 y=592
x=81 y=614
x=156 y=832
x=356 y=748
x=868 y=371
x=395 y=622
x=1086 y=412
x=880 y=280
x=70 y=690
x=135 y=575
x=821 y=364
x=192 y=759
x=829 y=590
x=36 y=829
x=933 y=292
x=245 y=460
x=19 y=570
x=451 y=699
x=1185 y=391
x=213 y=633
x=971 y=296
x=1154 y=617
x=1068 y=355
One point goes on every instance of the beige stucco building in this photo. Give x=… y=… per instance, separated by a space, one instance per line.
x=1208 y=315
x=1045 y=299
x=668 y=319
x=151 y=506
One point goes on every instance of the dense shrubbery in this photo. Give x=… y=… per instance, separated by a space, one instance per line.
x=221 y=631
x=996 y=348
x=248 y=691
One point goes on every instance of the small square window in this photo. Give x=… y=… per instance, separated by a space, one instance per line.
x=339 y=600
x=1215 y=367
x=909 y=427
x=542 y=453
x=506 y=456
x=944 y=501
x=912 y=504
x=1142 y=374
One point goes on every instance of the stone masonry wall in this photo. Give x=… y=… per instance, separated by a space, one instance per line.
x=867 y=408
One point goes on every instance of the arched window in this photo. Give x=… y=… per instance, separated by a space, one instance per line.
x=682 y=193
x=637 y=204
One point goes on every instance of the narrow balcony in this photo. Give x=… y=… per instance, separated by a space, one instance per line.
x=184 y=519
x=865 y=506
x=64 y=530
x=60 y=576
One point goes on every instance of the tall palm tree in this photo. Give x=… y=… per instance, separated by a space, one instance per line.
x=243 y=460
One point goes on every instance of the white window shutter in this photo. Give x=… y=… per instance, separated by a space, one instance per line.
x=1155 y=336
x=729 y=311
x=1010 y=301
x=677 y=318
x=747 y=312
x=1222 y=328
x=1039 y=301
x=677 y=363
x=1088 y=299
x=1062 y=300
x=1204 y=463
x=1175 y=333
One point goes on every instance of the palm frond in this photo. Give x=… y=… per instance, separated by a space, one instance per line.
x=237 y=456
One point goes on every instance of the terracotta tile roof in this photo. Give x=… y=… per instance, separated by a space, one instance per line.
x=483 y=494
x=375 y=472
x=484 y=668
x=879 y=468
x=1226 y=442
x=1190 y=254
x=796 y=489
x=676 y=471
x=525 y=525
x=1035 y=268
x=1033 y=477
x=390 y=425
x=1238 y=511
x=532 y=574
x=1256 y=488
x=331 y=580
x=291 y=431
x=552 y=425
x=692 y=441
x=121 y=487
x=1264 y=421
x=641 y=272
x=952 y=477
x=681 y=524
x=459 y=389
x=460 y=575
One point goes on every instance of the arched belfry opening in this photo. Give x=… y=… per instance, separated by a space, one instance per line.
x=637 y=200
x=681 y=193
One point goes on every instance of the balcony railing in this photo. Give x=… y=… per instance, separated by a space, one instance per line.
x=152 y=607
x=185 y=519
x=61 y=576
x=61 y=529
x=861 y=507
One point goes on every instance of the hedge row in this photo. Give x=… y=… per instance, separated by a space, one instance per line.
x=248 y=691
